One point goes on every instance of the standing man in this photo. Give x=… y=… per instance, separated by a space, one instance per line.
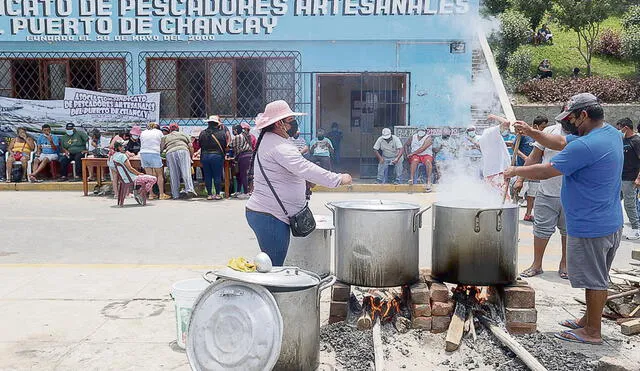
x=74 y=147
x=630 y=174
x=388 y=150
x=335 y=135
x=47 y=147
x=547 y=207
x=524 y=150
x=321 y=150
x=591 y=165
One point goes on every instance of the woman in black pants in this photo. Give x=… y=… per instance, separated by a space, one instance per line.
x=214 y=141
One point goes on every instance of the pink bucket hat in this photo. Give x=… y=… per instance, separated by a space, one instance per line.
x=135 y=130
x=274 y=112
x=245 y=125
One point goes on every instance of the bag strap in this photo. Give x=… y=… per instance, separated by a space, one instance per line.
x=270 y=186
x=217 y=141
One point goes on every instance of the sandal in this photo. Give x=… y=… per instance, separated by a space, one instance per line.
x=428 y=188
x=570 y=323
x=217 y=197
x=563 y=274
x=531 y=272
x=575 y=338
x=210 y=197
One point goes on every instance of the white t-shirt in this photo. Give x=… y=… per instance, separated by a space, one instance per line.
x=552 y=186
x=389 y=149
x=417 y=143
x=150 y=141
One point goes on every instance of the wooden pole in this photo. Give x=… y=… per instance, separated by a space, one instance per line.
x=506 y=339
x=623 y=294
x=377 y=346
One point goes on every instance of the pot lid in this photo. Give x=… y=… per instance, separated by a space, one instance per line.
x=375 y=205
x=234 y=326
x=289 y=277
x=473 y=205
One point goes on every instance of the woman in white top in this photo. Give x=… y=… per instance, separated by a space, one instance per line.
x=150 y=156
x=420 y=151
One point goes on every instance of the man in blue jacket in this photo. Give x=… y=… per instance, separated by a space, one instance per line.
x=591 y=165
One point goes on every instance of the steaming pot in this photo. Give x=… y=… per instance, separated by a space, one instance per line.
x=474 y=246
x=376 y=242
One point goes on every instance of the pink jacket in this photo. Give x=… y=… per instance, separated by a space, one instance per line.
x=287 y=171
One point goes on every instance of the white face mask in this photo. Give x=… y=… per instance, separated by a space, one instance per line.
x=472 y=134
x=69 y=132
x=135 y=136
x=421 y=133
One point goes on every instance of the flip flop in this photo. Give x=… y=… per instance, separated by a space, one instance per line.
x=570 y=323
x=531 y=272
x=209 y=198
x=563 y=275
x=576 y=338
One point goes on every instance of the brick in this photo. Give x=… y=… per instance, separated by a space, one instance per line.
x=338 y=308
x=439 y=292
x=519 y=297
x=425 y=275
x=635 y=254
x=516 y=328
x=423 y=323
x=442 y=309
x=336 y=319
x=420 y=310
x=440 y=324
x=521 y=315
x=420 y=293
x=340 y=292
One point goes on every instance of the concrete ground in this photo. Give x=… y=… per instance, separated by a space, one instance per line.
x=85 y=284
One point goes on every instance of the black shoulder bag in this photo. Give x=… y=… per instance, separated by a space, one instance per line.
x=302 y=223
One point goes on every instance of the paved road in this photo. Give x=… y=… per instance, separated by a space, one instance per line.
x=85 y=284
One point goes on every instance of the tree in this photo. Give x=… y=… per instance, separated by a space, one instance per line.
x=584 y=17
x=493 y=7
x=631 y=36
x=533 y=9
x=514 y=31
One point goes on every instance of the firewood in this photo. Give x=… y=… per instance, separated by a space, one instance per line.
x=364 y=322
x=631 y=327
x=378 y=351
x=623 y=294
x=456 y=328
x=472 y=330
x=506 y=339
x=402 y=324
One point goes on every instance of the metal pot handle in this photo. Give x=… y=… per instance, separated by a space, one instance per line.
x=417 y=219
x=326 y=282
x=498 y=219
x=206 y=277
x=333 y=210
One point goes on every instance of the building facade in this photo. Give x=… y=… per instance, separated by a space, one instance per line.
x=363 y=64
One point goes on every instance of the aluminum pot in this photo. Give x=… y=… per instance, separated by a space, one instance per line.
x=474 y=246
x=313 y=252
x=299 y=305
x=376 y=242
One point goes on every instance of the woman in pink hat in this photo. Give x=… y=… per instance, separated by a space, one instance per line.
x=279 y=162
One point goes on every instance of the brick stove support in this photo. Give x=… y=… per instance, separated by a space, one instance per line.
x=520 y=308
x=339 y=307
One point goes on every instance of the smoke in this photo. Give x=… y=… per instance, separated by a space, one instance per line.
x=461 y=185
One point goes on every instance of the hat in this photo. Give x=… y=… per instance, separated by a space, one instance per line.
x=70 y=126
x=386 y=133
x=135 y=130
x=578 y=101
x=245 y=125
x=174 y=126
x=471 y=128
x=213 y=118
x=165 y=128
x=274 y=112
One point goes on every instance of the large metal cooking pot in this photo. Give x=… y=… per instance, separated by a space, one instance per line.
x=313 y=252
x=474 y=246
x=376 y=242
x=247 y=338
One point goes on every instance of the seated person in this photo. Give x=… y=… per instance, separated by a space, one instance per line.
x=133 y=145
x=94 y=151
x=445 y=148
x=544 y=69
x=420 y=151
x=74 y=148
x=576 y=73
x=47 y=149
x=142 y=183
x=545 y=35
x=388 y=149
x=20 y=149
x=4 y=147
x=321 y=150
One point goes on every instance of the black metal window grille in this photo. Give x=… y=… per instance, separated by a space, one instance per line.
x=43 y=76
x=235 y=85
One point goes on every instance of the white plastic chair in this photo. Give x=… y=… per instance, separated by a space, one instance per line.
x=18 y=163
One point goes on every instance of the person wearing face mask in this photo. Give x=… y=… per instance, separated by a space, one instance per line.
x=445 y=148
x=243 y=150
x=591 y=164
x=321 y=150
x=277 y=163
x=630 y=174
x=133 y=144
x=420 y=152
x=214 y=141
x=74 y=147
x=388 y=149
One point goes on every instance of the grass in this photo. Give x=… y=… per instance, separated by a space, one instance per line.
x=564 y=55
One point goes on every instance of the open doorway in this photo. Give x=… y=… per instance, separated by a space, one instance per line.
x=361 y=105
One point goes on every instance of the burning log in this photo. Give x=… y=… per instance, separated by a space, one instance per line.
x=510 y=342
x=364 y=322
x=402 y=324
x=456 y=328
